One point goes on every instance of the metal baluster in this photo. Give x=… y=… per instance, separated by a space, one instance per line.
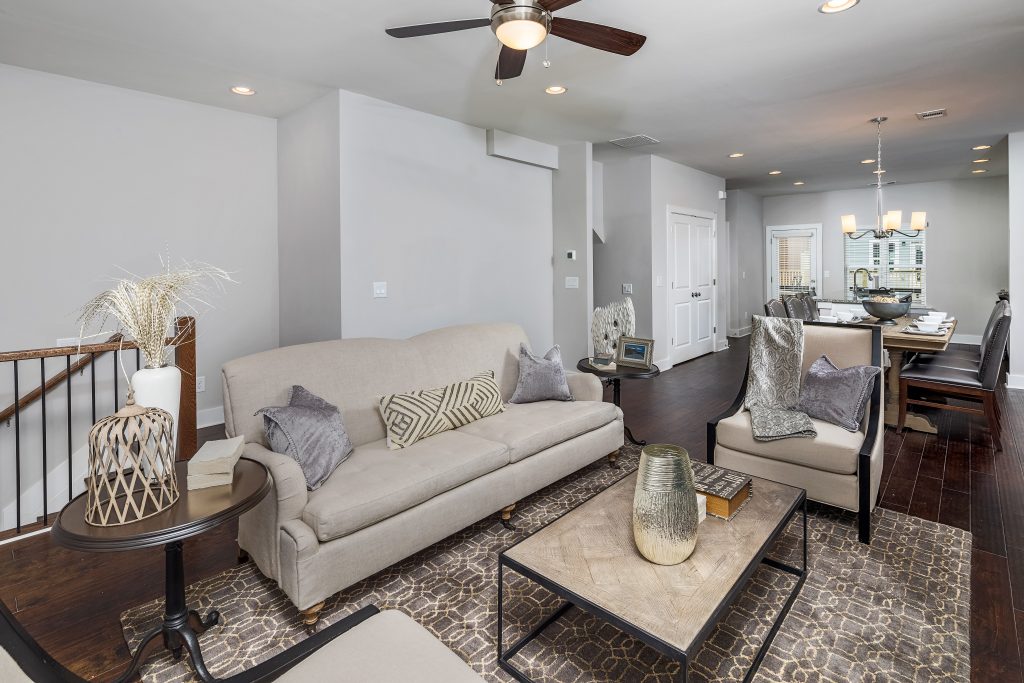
x=17 y=450
x=42 y=388
x=69 y=426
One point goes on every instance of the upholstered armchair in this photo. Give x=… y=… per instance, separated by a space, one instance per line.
x=836 y=467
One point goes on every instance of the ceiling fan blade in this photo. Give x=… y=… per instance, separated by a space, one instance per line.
x=510 y=63
x=555 y=5
x=440 y=27
x=595 y=35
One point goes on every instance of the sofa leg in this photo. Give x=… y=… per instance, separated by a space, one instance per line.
x=243 y=556
x=311 y=616
x=506 y=515
x=613 y=460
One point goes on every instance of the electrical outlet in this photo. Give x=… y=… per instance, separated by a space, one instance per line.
x=200 y=384
x=627 y=288
x=659 y=281
x=380 y=290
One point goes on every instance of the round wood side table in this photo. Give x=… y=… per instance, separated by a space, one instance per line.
x=194 y=513
x=614 y=378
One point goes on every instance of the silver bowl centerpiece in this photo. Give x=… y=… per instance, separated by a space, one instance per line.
x=887 y=311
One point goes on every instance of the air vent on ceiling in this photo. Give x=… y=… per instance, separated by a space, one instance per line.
x=932 y=114
x=635 y=141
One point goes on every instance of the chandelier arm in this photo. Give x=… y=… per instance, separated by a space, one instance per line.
x=862 y=233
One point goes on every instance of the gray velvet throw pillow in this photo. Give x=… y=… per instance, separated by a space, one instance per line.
x=541 y=379
x=310 y=430
x=835 y=395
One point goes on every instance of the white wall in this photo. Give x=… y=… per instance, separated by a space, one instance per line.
x=93 y=178
x=309 y=212
x=746 y=239
x=573 y=215
x=967 y=238
x=675 y=185
x=1015 y=260
x=459 y=236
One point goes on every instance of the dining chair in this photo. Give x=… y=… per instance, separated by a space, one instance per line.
x=811 y=306
x=795 y=307
x=774 y=308
x=961 y=378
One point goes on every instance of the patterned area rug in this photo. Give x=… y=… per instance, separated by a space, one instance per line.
x=897 y=611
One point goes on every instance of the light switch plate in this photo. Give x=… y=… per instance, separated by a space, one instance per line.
x=828 y=273
x=659 y=281
x=627 y=288
x=572 y=283
x=380 y=290
x=200 y=384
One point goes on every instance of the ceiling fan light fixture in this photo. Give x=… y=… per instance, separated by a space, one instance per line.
x=520 y=27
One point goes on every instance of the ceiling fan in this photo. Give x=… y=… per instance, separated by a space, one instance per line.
x=523 y=24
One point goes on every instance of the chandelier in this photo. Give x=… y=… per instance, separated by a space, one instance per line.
x=886 y=224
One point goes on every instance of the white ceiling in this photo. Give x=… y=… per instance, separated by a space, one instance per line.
x=790 y=87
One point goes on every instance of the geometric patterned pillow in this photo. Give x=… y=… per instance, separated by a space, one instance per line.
x=416 y=415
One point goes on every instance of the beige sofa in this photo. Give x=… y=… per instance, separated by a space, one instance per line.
x=381 y=506
x=837 y=467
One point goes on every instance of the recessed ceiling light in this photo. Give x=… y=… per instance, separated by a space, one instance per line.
x=736 y=155
x=877 y=172
x=979 y=170
x=243 y=90
x=981 y=161
x=799 y=182
x=774 y=172
x=834 y=6
x=980 y=148
x=868 y=161
x=556 y=90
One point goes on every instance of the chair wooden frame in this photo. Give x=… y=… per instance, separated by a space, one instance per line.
x=988 y=398
x=871 y=434
x=42 y=668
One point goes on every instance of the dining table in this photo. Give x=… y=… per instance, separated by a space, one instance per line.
x=899 y=343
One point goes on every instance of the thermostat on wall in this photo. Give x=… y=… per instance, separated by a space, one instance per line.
x=571 y=254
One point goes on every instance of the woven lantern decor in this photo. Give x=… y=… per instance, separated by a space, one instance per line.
x=131 y=466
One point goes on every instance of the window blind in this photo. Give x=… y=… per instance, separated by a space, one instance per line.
x=795 y=263
x=899 y=262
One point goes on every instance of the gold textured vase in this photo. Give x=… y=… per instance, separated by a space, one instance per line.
x=665 y=505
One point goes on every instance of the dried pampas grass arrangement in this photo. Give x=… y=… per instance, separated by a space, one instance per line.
x=145 y=308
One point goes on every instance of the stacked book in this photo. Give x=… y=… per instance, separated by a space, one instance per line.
x=214 y=464
x=726 y=491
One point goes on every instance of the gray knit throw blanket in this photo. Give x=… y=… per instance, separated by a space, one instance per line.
x=773 y=384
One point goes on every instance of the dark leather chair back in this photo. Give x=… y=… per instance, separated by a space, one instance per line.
x=775 y=309
x=795 y=307
x=990 y=326
x=994 y=349
x=810 y=306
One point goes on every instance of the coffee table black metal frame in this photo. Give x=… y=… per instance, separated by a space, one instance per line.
x=681 y=656
x=181 y=626
x=614 y=377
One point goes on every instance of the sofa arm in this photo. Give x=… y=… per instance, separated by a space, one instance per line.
x=585 y=387
x=289 y=482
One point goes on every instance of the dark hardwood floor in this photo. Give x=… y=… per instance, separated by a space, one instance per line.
x=72 y=601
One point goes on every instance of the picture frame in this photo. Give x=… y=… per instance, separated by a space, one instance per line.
x=635 y=352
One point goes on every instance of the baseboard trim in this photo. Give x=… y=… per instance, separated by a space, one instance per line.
x=722 y=345
x=208 y=417
x=741 y=331
x=973 y=339
x=1014 y=381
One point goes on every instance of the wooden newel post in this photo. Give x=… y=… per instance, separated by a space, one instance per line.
x=185 y=359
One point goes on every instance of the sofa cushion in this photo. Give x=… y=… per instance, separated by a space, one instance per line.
x=417 y=415
x=377 y=483
x=833 y=450
x=530 y=428
x=387 y=648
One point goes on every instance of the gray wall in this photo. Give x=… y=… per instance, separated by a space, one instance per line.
x=625 y=254
x=967 y=238
x=746 y=238
x=573 y=189
x=1016 y=257
x=309 y=213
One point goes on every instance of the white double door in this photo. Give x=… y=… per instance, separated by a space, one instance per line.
x=691 y=274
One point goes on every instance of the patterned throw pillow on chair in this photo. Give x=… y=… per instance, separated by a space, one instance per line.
x=837 y=395
x=416 y=415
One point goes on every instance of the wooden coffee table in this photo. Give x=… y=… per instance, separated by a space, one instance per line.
x=588 y=558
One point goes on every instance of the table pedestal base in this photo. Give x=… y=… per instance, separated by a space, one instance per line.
x=181 y=627
x=617 y=400
x=915 y=421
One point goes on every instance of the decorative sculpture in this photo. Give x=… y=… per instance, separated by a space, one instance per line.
x=610 y=323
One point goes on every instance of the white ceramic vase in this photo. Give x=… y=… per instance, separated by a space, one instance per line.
x=159 y=388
